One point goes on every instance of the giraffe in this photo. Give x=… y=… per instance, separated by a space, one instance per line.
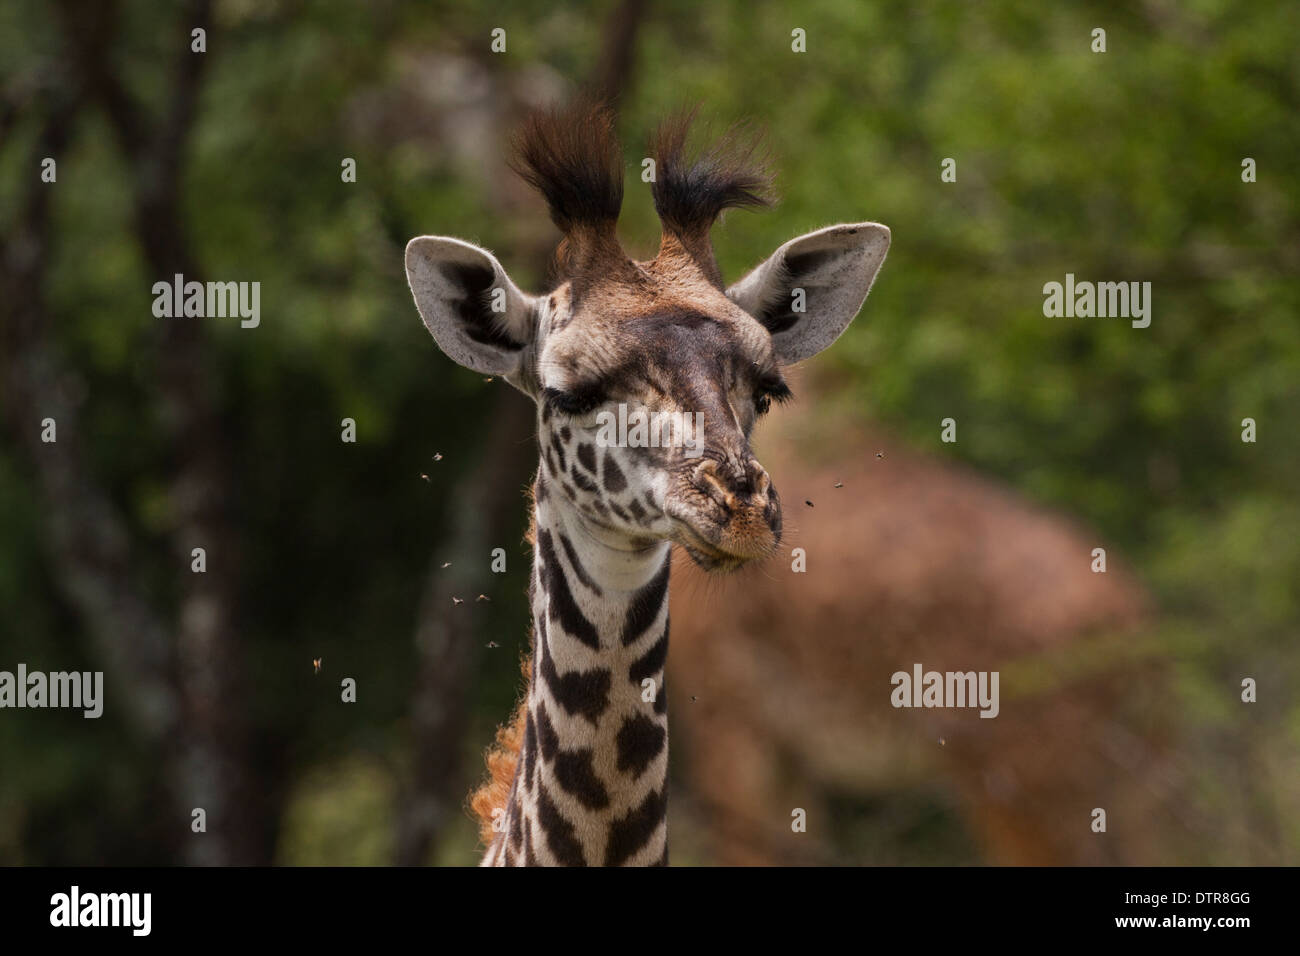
x=579 y=777
x=917 y=558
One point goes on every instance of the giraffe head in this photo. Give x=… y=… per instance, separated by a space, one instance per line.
x=649 y=375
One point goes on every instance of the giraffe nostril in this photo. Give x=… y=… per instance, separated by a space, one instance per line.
x=737 y=478
x=710 y=482
x=734 y=486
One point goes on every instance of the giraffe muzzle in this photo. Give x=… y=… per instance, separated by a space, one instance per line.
x=737 y=519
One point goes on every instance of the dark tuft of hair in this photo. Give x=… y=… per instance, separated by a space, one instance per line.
x=692 y=188
x=571 y=155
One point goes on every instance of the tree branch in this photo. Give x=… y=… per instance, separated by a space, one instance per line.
x=215 y=767
x=90 y=542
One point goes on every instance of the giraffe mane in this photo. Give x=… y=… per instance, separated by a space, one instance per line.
x=501 y=758
x=502 y=755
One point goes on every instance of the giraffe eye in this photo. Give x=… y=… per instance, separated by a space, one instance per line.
x=769 y=389
x=576 y=401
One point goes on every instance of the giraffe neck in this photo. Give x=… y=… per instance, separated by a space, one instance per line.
x=590 y=787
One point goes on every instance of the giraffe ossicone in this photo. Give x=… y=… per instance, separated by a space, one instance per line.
x=580 y=777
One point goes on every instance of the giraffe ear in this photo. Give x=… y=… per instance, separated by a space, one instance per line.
x=476 y=314
x=808 y=291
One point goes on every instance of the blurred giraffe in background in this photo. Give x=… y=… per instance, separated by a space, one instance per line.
x=782 y=679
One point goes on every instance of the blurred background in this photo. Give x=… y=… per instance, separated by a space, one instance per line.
x=1120 y=691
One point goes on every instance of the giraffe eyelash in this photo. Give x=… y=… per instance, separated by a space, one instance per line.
x=769 y=390
x=574 y=402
